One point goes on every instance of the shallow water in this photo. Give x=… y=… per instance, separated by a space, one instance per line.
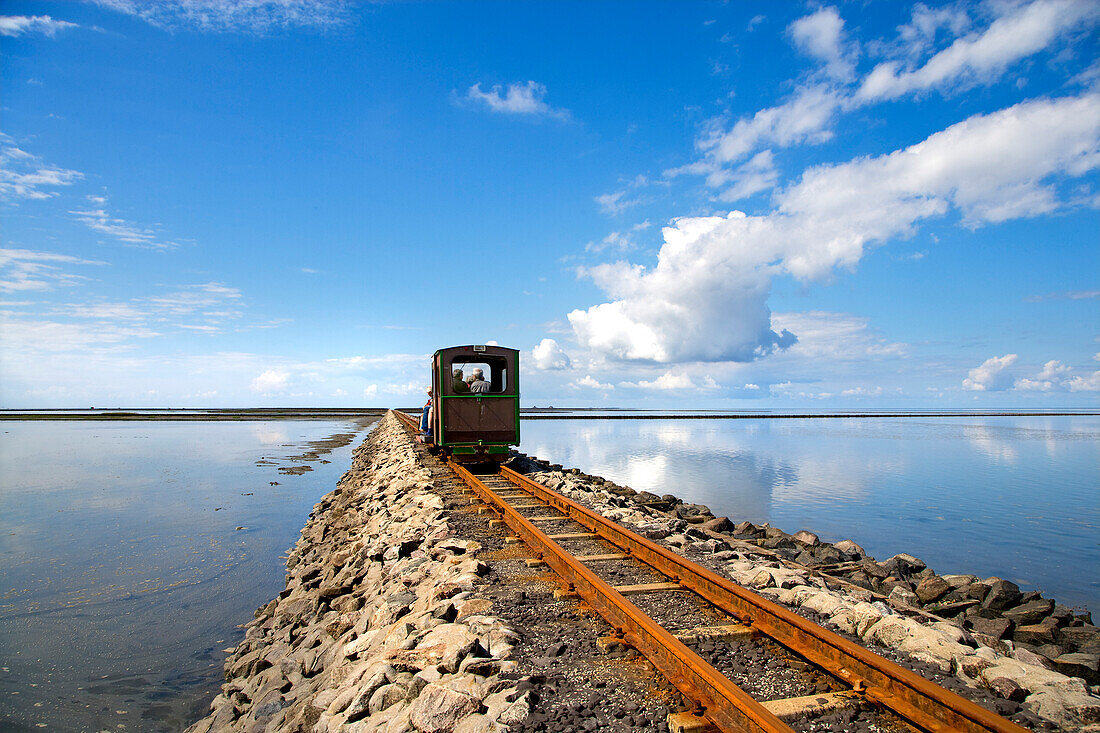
x=1017 y=497
x=131 y=551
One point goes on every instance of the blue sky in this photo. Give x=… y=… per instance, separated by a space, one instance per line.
x=666 y=204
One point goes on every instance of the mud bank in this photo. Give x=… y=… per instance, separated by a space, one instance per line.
x=405 y=611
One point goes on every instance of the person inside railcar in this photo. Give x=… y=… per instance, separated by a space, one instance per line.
x=479 y=385
x=459 y=383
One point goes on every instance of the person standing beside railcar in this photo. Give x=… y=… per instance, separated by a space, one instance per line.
x=426 y=417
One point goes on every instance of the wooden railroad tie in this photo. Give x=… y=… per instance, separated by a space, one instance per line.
x=726 y=632
x=785 y=709
x=633 y=590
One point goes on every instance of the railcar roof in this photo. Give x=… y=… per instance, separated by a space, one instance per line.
x=481 y=349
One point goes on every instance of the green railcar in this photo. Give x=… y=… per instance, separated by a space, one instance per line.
x=479 y=421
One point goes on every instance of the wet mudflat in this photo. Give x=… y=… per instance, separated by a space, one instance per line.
x=130 y=552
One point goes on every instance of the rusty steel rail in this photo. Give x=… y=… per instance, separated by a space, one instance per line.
x=911 y=696
x=723 y=703
x=917 y=700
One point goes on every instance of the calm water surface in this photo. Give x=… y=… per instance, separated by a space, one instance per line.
x=1017 y=497
x=131 y=551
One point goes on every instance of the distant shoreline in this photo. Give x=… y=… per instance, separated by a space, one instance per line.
x=537 y=413
x=773 y=416
x=195 y=415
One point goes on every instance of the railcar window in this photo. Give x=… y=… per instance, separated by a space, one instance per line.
x=494 y=370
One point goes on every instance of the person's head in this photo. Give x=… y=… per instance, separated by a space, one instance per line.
x=458 y=374
x=470 y=379
x=429 y=391
x=478 y=374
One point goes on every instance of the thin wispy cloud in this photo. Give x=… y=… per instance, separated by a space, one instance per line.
x=30 y=270
x=36 y=335
x=195 y=298
x=17 y=25
x=616 y=203
x=115 y=326
x=98 y=219
x=236 y=16
x=23 y=175
x=1065 y=295
x=526 y=99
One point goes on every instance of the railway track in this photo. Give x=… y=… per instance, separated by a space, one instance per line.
x=549 y=523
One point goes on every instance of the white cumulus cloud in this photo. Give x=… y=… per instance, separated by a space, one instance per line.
x=548 y=355
x=589 y=381
x=1091 y=383
x=667 y=381
x=821 y=35
x=271 y=381
x=516 y=99
x=1018 y=32
x=1052 y=373
x=805 y=117
x=991 y=375
x=706 y=297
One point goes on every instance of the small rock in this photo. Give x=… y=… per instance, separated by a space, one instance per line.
x=806 y=537
x=719 y=524
x=438 y=709
x=994 y=627
x=1002 y=594
x=1085 y=666
x=827 y=553
x=1066 y=707
x=746 y=528
x=1080 y=637
x=1037 y=634
x=848 y=547
x=1022 y=654
x=977 y=591
x=958 y=582
x=387 y=695
x=1062 y=614
x=932 y=589
x=1006 y=688
x=909 y=563
x=762 y=579
x=1031 y=612
x=901 y=595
